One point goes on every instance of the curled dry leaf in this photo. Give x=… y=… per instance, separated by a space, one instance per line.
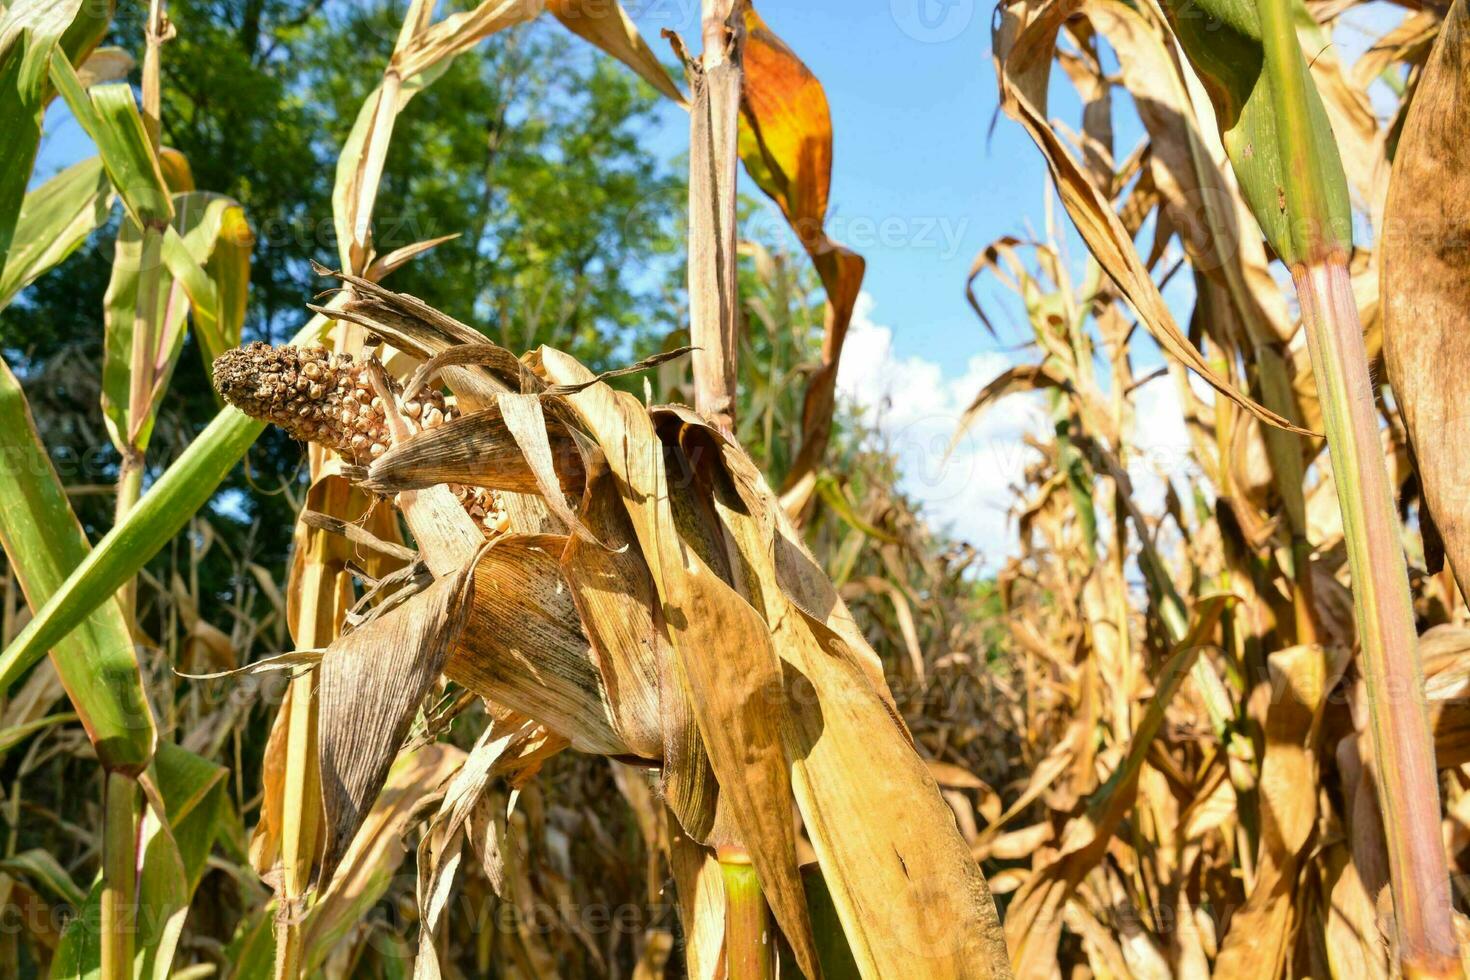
x=478 y=449
x=468 y=809
x=523 y=645
x=918 y=906
x=617 y=602
x=372 y=682
x=1257 y=942
x=610 y=28
x=1033 y=920
x=377 y=850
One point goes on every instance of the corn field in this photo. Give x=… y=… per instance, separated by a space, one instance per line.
x=649 y=667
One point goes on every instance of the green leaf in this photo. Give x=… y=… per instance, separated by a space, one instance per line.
x=1223 y=41
x=143 y=333
x=44 y=542
x=252 y=950
x=79 y=953
x=187 y=783
x=109 y=114
x=228 y=266
x=54 y=219
x=199 y=264
x=835 y=497
x=833 y=952
x=87 y=30
x=159 y=515
x=29 y=32
x=1079 y=479
x=186 y=795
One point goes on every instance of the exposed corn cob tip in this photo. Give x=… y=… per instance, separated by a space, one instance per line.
x=318 y=396
x=329 y=399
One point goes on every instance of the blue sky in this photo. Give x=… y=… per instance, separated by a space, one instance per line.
x=917 y=187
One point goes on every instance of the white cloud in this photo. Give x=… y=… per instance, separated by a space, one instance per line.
x=917 y=409
x=1159 y=444
x=970 y=493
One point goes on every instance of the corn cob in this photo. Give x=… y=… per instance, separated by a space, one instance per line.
x=328 y=399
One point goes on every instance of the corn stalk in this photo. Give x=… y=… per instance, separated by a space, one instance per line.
x=714 y=113
x=1316 y=251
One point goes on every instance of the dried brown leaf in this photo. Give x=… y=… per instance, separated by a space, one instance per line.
x=610 y=28
x=720 y=642
x=616 y=599
x=372 y=680
x=1258 y=941
x=523 y=646
x=911 y=900
x=477 y=449
x=1425 y=286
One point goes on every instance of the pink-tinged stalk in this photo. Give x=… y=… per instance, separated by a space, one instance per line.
x=1403 y=750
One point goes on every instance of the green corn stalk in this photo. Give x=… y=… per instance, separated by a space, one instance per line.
x=186 y=794
x=750 y=938
x=1276 y=133
x=121 y=812
x=1321 y=230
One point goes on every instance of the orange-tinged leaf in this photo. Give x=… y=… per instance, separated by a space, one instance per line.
x=786 y=145
x=786 y=136
x=177 y=173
